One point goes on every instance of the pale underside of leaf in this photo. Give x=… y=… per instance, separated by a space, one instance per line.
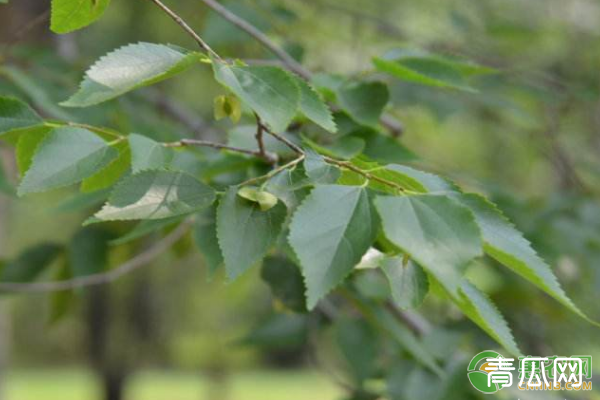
x=156 y=195
x=128 y=68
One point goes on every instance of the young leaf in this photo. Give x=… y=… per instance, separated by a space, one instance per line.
x=313 y=107
x=66 y=156
x=331 y=230
x=434 y=231
x=265 y=200
x=30 y=263
x=16 y=115
x=156 y=195
x=228 y=106
x=128 y=68
x=508 y=246
x=478 y=307
x=110 y=174
x=364 y=101
x=245 y=232
x=408 y=283
x=70 y=15
x=205 y=236
x=148 y=154
x=268 y=91
x=285 y=280
x=427 y=69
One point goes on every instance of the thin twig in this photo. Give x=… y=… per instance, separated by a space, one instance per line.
x=274 y=172
x=368 y=175
x=390 y=123
x=136 y=262
x=283 y=139
x=268 y=157
x=250 y=29
x=203 y=45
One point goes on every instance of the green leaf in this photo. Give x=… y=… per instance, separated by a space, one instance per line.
x=437 y=233
x=109 y=175
x=128 y=68
x=508 y=246
x=148 y=154
x=16 y=115
x=156 y=195
x=268 y=91
x=404 y=337
x=66 y=156
x=428 y=182
x=330 y=231
x=205 y=236
x=245 y=232
x=279 y=331
x=33 y=88
x=285 y=280
x=391 y=173
x=70 y=15
x=408 y=283
x=383 y=148
x=360 y=346
x=427 y=69
x=312 y=106
x=364 y=101
x=88 y=251
x=478 y=307
x=30 y=263
x=318 y=170
x=27 y=146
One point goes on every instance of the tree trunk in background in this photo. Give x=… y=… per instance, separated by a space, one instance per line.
x=98 y=322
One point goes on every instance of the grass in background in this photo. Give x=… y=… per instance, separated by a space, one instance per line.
x=155 y=385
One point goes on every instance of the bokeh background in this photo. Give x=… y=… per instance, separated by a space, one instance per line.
x=529 y=138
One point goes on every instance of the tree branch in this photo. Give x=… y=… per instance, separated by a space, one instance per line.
x=203 y=45
x=391 y=124
x=250 y=29
x=136 y=262
x=259 y=136
x=268 y=157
